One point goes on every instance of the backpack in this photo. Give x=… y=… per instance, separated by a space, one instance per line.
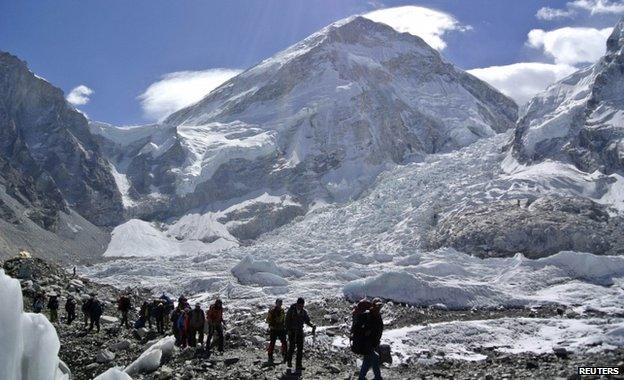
x=53 y=304
x=38 y=306
x=270 y=319
x=96 y=309
x=360 y=334
x=181 y=321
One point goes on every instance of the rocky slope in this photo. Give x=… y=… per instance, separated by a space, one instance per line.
x=536 y=228
x=51 y=169
x=317 y=121
x=90 y=354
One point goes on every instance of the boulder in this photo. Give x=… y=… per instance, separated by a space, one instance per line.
x=120 y=346
x=104 y=356
x=109 y=319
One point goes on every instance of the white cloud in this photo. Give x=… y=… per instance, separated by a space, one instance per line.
x=594 y=7
x=548 y=14
x=521 y=81
x=79 y=95
x=569 y=45
x=180 y=89
x=428 y=24
x=598 y=6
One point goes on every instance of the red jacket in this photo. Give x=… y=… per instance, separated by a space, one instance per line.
x=214 y=316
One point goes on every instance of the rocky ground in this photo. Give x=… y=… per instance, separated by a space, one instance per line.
x=89 y=354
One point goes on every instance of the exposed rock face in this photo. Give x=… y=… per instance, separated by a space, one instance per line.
x=540 y=228
x=47 y=154
x=581 y=118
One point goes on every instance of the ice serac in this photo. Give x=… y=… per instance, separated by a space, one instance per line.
x=46 y=148
x=29 y=342
x=318 y=120
x=581 y=118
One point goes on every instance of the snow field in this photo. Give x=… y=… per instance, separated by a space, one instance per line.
x=372 y=246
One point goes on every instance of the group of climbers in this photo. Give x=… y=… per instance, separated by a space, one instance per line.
x=156 y=311
x=189 y=325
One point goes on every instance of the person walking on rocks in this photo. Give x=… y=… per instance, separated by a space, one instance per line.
x=39 y=303
x=86 y=310
x=159 y=315
x=53 y=306
x=197 y=319
x=70 y=309
x=175 y=315
x=95 y=312
x=366 y=331
x=216 y=323
x=168 y=308
x=296 y=317
x=124 y=305
x=276 y=319
x=183 y=327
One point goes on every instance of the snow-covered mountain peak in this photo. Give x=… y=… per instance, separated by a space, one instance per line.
x=580 y=118
x=316 y=122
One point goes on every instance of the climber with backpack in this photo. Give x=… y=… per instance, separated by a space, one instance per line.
x=182 y=324
x=95 y=312
x=214 y=319
x=39 y=303
x=197 y=319
x=276 y=319
x=124 y=305
x=366 y=331
x=296 y=317
x=70 y=309
x=53 y=306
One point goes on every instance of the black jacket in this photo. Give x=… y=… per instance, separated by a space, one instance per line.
x=70 y=306
x=53 y=303
x=295 y=319
x=95 y=310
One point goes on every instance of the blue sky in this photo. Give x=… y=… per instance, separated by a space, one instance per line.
x=119 y=48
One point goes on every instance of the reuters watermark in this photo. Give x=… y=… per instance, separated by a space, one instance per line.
x=598 y=371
